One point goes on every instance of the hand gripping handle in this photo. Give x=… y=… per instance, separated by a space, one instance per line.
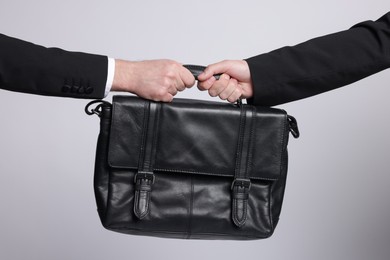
x=196 y=70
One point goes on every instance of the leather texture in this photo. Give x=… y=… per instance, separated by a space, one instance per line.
x=190 y=169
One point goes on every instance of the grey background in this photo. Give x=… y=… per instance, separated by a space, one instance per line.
x=336 y=204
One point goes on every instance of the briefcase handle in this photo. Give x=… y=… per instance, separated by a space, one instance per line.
x=196 y=70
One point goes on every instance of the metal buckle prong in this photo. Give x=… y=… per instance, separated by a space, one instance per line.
x=145 y=176
x=246 y=183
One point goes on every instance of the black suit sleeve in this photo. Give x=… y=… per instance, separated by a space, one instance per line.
x=321 y=64
x=30 y=68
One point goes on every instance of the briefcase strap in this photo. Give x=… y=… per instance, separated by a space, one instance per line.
x=241 y=184
x=145 y=177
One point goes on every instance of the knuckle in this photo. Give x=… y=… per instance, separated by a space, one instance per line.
x=232 y=99
x=161 y=92
x=173 y=66
x=166 y=82
x=170 y=75
x=212 y=93
x=223 y=96
x=201 y=87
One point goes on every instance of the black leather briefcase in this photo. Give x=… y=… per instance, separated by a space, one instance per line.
x=190 y=169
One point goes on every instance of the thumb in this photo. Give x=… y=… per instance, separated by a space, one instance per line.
x=212 y=69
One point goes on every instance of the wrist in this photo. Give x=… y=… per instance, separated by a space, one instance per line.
x=123 y=76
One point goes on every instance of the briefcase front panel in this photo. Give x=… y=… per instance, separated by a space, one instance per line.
x=197 y=137
x=173 y=172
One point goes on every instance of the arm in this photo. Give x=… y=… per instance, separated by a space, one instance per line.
x=30 y=68
x=318 y=65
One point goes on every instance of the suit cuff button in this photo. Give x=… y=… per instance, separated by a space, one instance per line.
x=88 y=90
x=66 y=88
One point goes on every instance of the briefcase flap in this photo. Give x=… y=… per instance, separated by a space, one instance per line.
x=197 y=137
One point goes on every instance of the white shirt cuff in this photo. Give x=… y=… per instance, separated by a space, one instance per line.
x=110 y=75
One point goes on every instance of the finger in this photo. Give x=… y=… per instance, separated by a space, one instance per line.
x=180 y=86
x=216 y=68
x=186 y=77
x=228 y=91
x=173 y=90
x=235 y=95
x=166 y=98
x=206 y=85
x=219 y=85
